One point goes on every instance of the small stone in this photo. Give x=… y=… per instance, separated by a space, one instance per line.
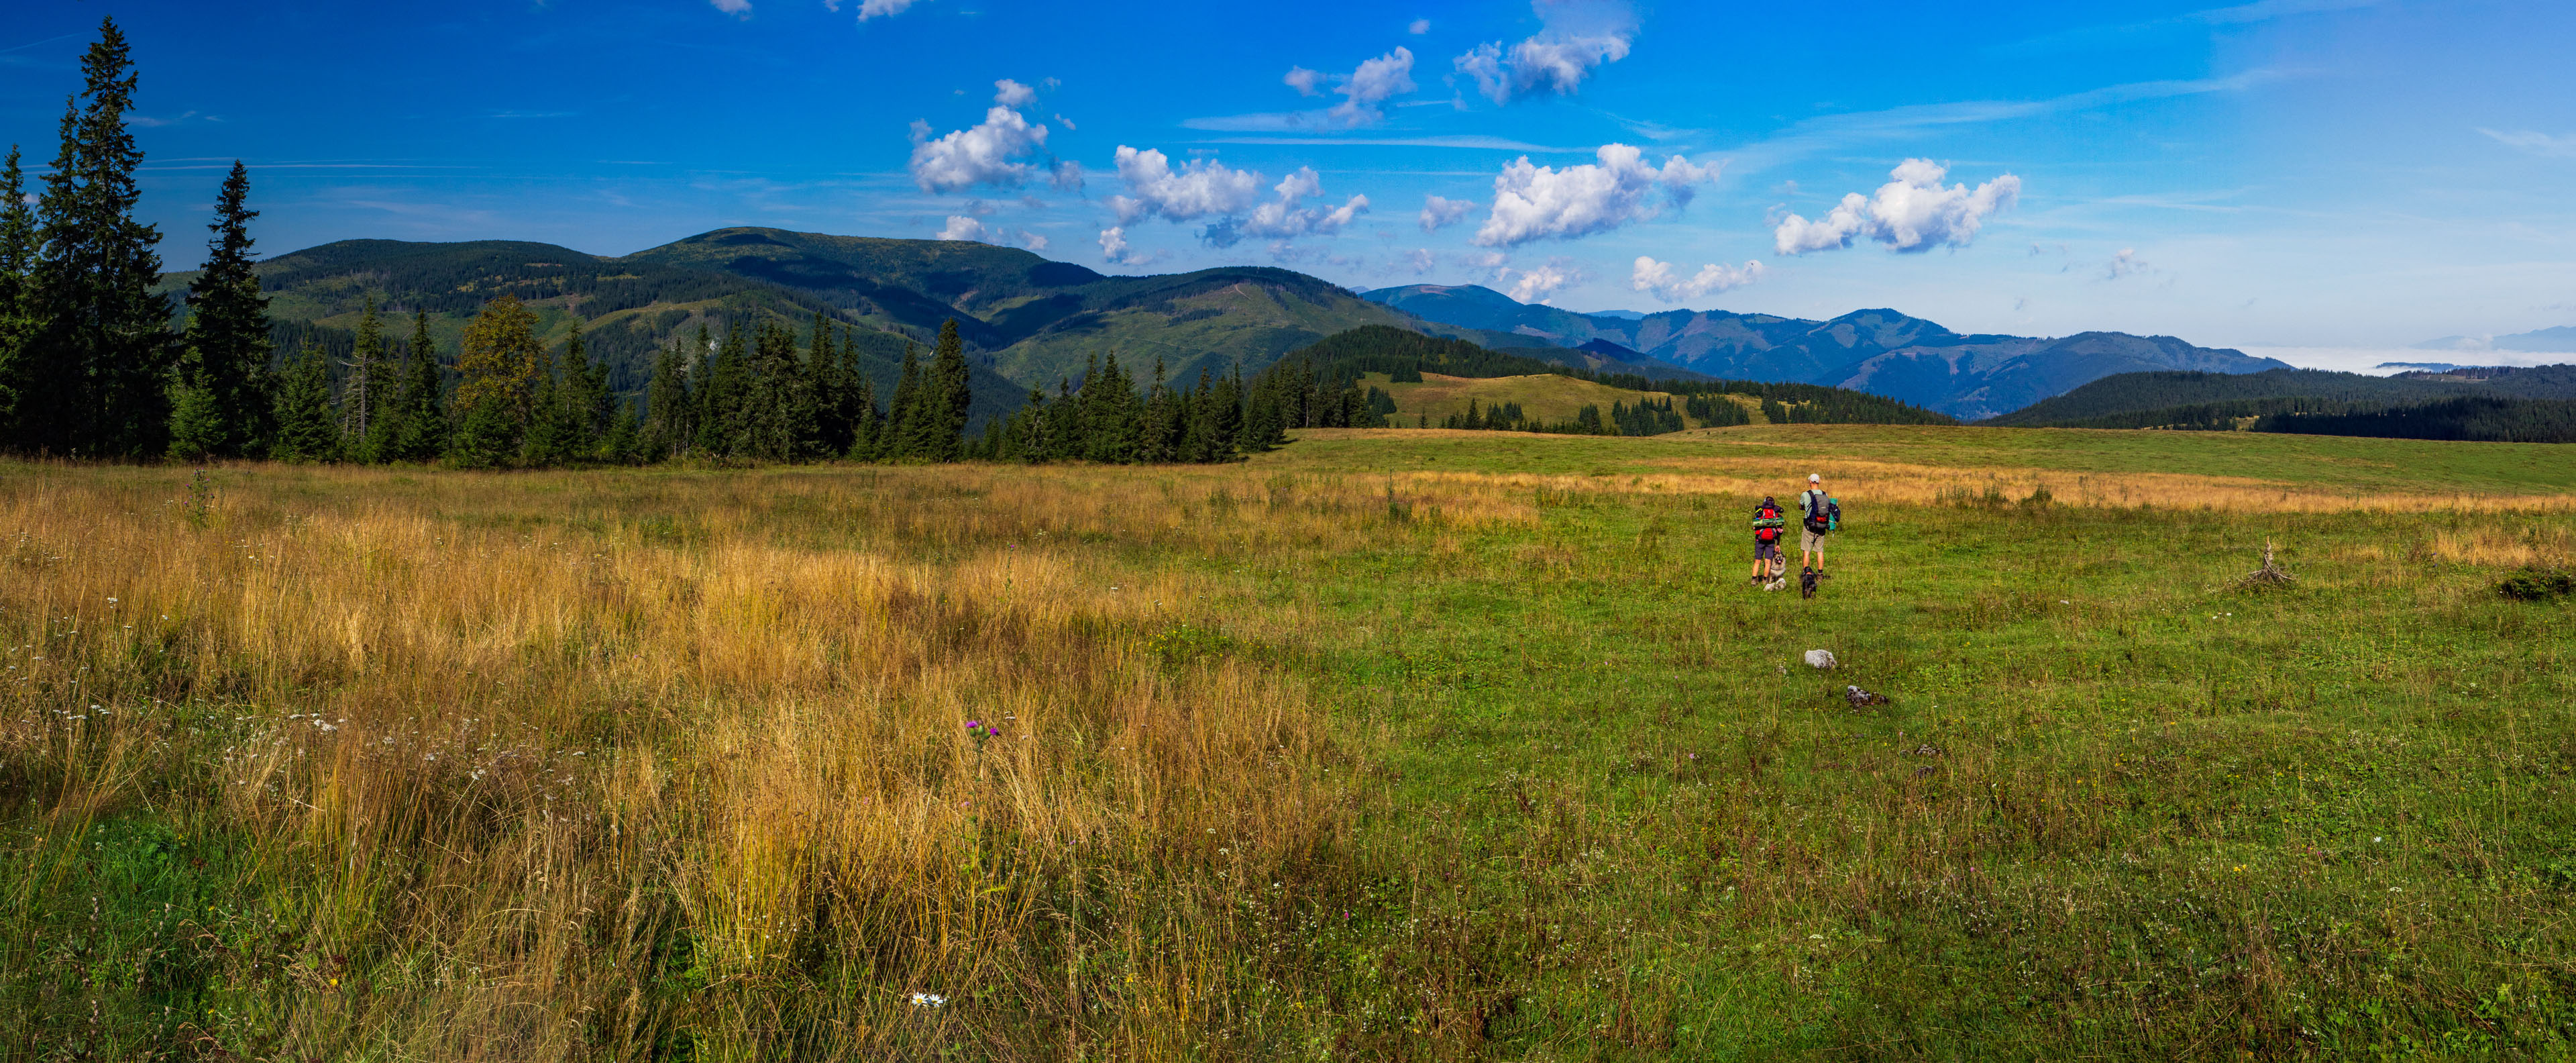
x=1821 y=659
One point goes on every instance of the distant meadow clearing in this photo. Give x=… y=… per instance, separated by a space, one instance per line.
x=1388 y=745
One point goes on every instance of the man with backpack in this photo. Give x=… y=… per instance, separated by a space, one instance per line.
x=1818 y=516
x=1768 y=565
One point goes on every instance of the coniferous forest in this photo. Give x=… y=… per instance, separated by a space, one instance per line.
x=95 y=364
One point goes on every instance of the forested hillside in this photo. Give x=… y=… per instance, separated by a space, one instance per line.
x=2223 y=400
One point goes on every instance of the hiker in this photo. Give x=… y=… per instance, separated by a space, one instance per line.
x=1818 y=515
x=1767 y=522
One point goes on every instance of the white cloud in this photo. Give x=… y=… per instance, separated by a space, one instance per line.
x=1304 y=81
x=1579 y=36
x=1540 y=284
x=1419 y=27
x=1912 y=213
x=1371 y=84
x=987 y=154
x=1658 y=279
x=1066 y=176
x=869 y=9
x=1032 y=241
x=1285 y=218
x=1009 y=93
x=1538 y=202
x=1439 y=212
x=1067 y=123
x=2124 y=264
x=1420 y=260
x=2541 y=144
x=736 y=8
x=1113 y=247
x=1200 y=188
x=961 y=227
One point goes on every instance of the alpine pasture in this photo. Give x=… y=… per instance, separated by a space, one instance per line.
x=1390 y=744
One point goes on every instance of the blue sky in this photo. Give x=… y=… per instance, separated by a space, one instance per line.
x=2286 y=173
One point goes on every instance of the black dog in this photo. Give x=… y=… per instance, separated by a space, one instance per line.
x=1807 y=583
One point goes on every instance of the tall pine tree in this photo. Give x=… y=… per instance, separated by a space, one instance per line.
x=18 y=246
x=98 y=368
x=307 y=428
x=362 y=388
x=897 y=439
x=413 y=425
x=668 y=409
x=939 y=433
x=720 y=402
x=222 y=407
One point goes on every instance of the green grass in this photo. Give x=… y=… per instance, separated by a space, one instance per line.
x=1545 y=398
x=2113 y=808
x=2332 y=463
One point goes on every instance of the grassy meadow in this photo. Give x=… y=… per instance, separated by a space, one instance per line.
x=1410 y=745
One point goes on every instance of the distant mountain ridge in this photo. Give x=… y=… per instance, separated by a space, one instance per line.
x=2558 y=340
x=2179 y=399
x=1880 y=351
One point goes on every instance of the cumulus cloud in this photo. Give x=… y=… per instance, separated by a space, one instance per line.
x=1066 y=176
x=1540 y=284
x=1287 y=217
x=2124 y=264
x=1419 y=27
x=1661 y=281
x=1371 y=85
x=991 y=153
x=1912 y=213
x=1009 y=93
x=869 y=9
x=966 y=227
x=1538 y=202
x=736 y=8
x=1200 y=188
x=1578 y=37
x=1420 y=260
x=1438 y=212
x=1306 y=82
x=1230 y=198
x=1113 y=247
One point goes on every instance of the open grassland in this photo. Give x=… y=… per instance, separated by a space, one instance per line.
x=1544 y=398
x=1400 y=744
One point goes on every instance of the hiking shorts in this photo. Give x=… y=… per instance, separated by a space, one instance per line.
x=1766 y=551
x=1810 y=540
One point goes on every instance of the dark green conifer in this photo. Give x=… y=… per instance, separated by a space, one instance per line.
x=18 y=245
x=412 y=426
x=220 y=405
x=720 y=402
x=307 y=427
x=96 y=375
x=668 y=408
x=939 y=433
x=363 y=387
x=901 y=437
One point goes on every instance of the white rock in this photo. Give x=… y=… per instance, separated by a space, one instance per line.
x=1820 y=659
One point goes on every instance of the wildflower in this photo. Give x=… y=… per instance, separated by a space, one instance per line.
x=929 y=1000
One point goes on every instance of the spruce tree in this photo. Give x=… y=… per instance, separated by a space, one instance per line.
x=307 y=428
x=18 y=245
x=780 y=417
x=362 y=388
x=565 y=428
x=827 y=382
x=900 y=433
x=721 y=401
x=1117 y=419
x=1160 y=435
x=1064 y=425
x=222 y=407
x=940 y=431
x=97 y=371
x=413 y=425
x=668 y=409
x=867 y=423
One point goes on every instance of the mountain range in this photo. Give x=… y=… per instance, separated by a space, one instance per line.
x=1031 y=322
x=2559 y=340
x=1880 y=351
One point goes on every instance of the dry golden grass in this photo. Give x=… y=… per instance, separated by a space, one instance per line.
x=532 y=751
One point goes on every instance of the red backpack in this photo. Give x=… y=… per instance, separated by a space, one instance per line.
x=1766 y=524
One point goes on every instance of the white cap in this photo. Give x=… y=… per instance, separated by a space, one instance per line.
x=1814 y=478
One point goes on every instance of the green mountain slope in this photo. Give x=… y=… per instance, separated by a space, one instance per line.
x=627 y=308
x=1040 y=320
x=2153 y=400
